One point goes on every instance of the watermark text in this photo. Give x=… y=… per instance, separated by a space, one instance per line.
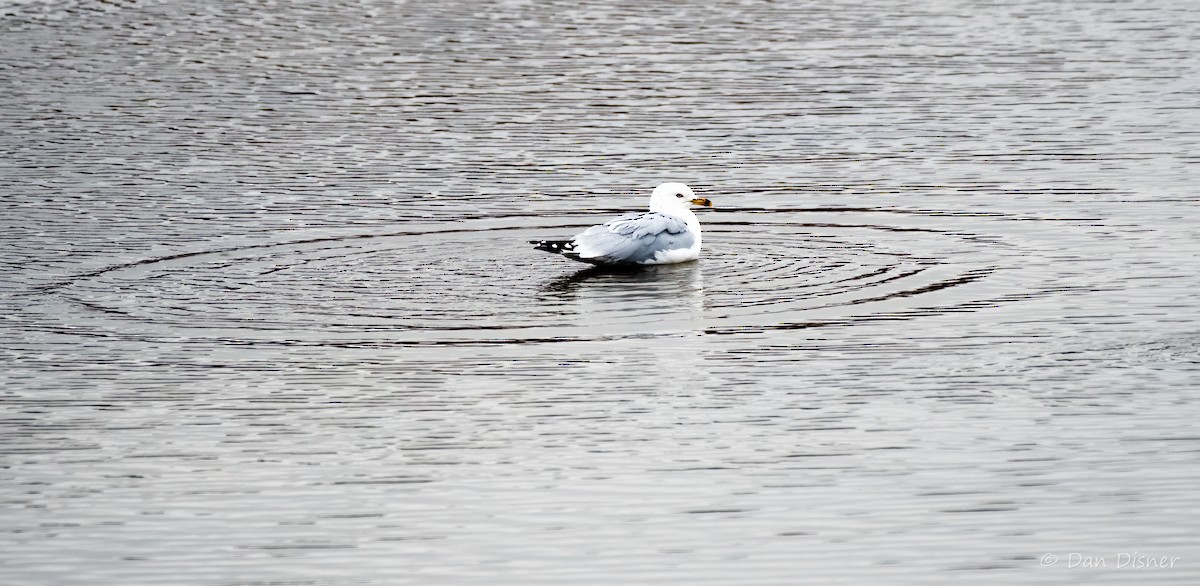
x=1125 y=560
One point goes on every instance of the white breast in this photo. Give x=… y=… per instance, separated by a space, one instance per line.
x=666 y=257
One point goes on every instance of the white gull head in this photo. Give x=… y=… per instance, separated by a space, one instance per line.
x=673 y=199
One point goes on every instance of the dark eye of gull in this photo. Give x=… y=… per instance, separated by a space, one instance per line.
x=678 y=195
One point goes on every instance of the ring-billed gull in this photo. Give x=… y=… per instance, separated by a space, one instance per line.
x=668 y=233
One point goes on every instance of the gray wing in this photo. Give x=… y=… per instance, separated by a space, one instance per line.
x=634 y=238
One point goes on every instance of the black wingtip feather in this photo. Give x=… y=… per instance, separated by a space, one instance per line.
x=554 y=246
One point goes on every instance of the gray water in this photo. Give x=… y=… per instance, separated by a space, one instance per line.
x=268 y=314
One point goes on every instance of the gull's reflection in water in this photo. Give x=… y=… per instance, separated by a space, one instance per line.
x=650 y=293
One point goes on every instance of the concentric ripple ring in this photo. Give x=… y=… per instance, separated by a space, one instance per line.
x=475 y=283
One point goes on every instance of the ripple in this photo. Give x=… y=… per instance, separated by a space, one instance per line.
x=477 y=283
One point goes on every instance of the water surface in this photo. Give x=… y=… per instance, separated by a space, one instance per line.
x=269 y=314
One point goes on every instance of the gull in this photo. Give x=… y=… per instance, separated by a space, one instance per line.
x=668 y=233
